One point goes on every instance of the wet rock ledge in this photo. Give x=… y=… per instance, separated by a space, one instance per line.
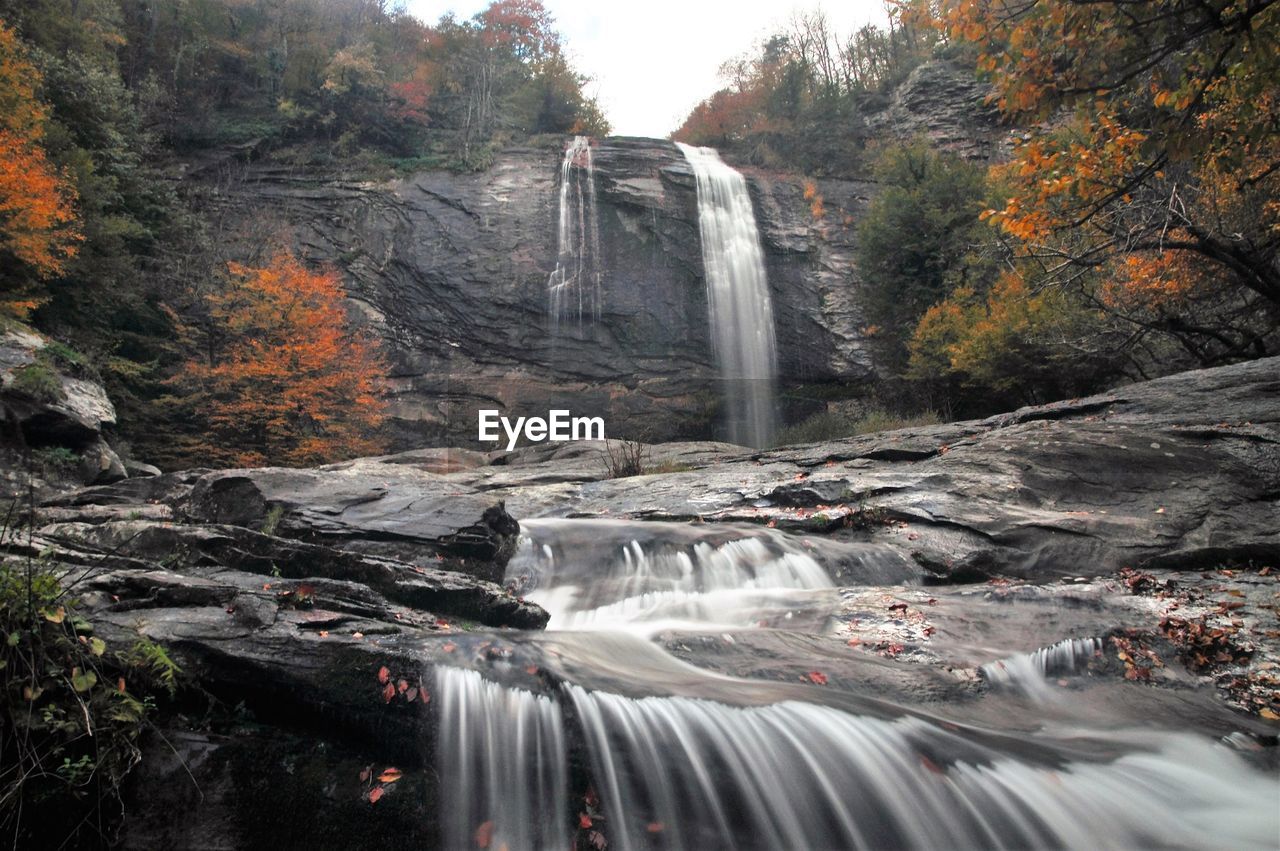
x=317 y=600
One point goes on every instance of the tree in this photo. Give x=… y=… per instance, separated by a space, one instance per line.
x=38 y=223
x=281 y=378
x=1013 y=344
x=917 y=241
x=1154 y=133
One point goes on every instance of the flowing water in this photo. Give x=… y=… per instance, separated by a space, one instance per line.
x=738 y=302
x=574 y=288
x=594 y=733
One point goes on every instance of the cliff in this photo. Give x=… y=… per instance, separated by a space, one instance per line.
x=452 y=270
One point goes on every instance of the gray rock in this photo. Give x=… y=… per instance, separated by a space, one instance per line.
x=140 y=469
x=100 y=465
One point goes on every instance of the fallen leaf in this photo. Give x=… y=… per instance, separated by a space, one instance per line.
x=402 y=686
x=411 y=695
x=484 y=834
x=584 y=821
x=376 y=793
x=324 y=633
x=656 y=827
x=383 y=674
x=818 y=678
x=357 y=635
x=1270 y=715
x=366 y=773
x=449 y=647
x=388 y=692
x=120 y=685
x=390 y=775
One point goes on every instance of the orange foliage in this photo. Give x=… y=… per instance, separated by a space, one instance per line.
x=289 y=383
x=725 y=117
x=816 y=207
x=1169 y=142
x=37 y=216
x=37 y=220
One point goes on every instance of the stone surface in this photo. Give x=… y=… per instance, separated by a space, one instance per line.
x=1181 y=471
x=1034 y=513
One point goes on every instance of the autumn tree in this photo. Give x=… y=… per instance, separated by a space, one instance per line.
x=1152 y=156
x=281 y=377
x=38 y=224
x=919 y=239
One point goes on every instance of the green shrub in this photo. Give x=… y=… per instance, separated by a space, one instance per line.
x=56 y=458
x=39 y=382
x=834 y=425
x=70 y=711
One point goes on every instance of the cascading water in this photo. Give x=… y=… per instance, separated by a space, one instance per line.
x=796 y=775
x=738 y=301
x=607 y=574
x=682 y=757
x=1026 y=672
x=574 y=288
x=489 y=737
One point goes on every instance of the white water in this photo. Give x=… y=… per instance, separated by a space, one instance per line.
x=501 y=753
x=756 y=768
x=1028 y=672
x=738 y=301
x=796 y=775
x=646 y=577
x=574 y=288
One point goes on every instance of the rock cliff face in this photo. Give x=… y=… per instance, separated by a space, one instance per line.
x=452 y=271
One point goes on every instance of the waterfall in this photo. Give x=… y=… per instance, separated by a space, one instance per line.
x=1027 y=672
x=646 y=576
x=574 y=287
x=739 y=307
x=691 y=758
x=501 y=754
x=679 y=772
x=685 y=773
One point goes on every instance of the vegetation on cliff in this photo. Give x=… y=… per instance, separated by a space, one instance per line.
x=1132 y=230
x=102 y=247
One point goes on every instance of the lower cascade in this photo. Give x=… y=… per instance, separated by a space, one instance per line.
x=738 y=302
x=596 y=726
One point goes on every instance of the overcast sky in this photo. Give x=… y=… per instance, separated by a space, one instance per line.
x=653 y=60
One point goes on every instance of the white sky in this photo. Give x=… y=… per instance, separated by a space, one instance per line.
x=653 y=60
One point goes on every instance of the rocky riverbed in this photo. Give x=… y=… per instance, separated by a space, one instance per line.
x=1138 y=527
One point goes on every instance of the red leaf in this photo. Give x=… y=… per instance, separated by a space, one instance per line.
x=389 y=775
x=449 y=647
x=484 y=834
x=656 y=827
x=388 y=693
x=376 y=793
x=584 y=821
x=383 y=674
x=411 y=695
x=818 y=678
x=402 y=686
x=364 y=775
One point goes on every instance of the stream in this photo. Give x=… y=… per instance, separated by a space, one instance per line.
x=653 y=713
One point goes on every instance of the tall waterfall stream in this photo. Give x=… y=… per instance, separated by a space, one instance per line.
x=574 y=289
x=597 y=722
x=739 y=307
